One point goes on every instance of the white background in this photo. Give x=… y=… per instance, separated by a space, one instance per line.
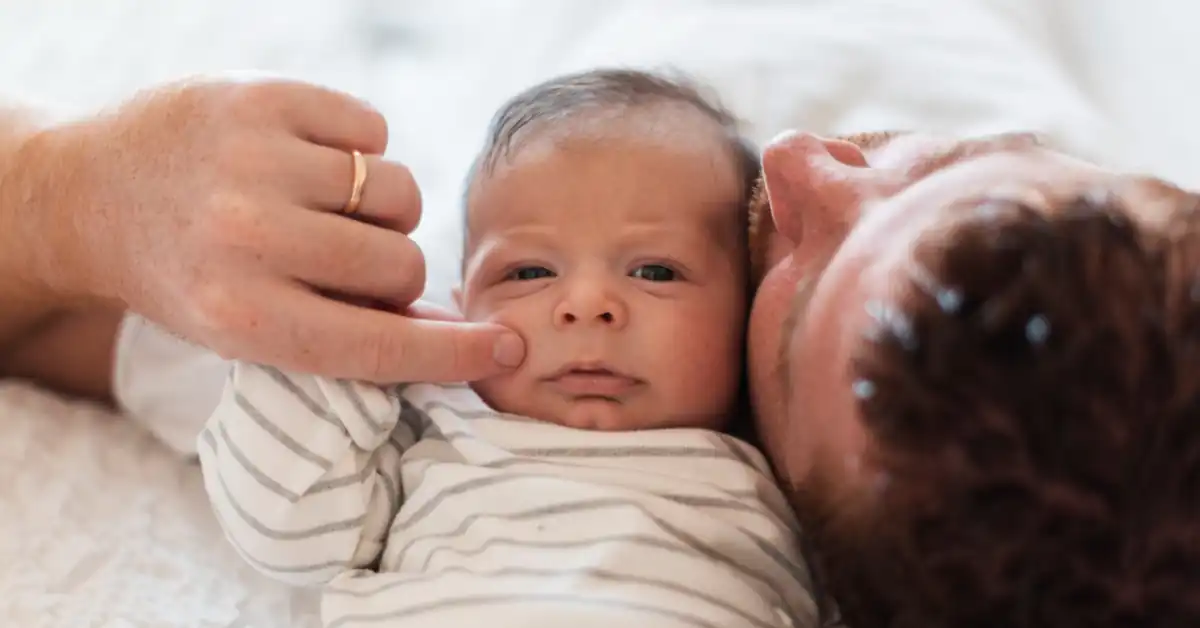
x=101 y=526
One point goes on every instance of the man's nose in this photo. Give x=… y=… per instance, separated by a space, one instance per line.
x=590 y=301
x=816 y=185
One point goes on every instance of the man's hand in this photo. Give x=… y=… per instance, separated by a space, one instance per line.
x=214 y=209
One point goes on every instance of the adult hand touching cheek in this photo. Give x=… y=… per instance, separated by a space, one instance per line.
x=230 y=213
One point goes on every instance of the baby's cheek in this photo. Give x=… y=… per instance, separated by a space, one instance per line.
x=519 y=322
x=707 y=354
x=492 y=308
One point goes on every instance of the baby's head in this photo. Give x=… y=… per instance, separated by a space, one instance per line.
x=606 y=223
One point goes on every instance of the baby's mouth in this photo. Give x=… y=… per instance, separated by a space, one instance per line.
x=592 y=380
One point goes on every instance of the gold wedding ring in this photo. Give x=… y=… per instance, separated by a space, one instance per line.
x=360 y=178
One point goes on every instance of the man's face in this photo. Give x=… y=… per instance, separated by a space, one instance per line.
x=835 y=242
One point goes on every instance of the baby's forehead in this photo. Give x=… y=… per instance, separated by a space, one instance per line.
x=679 y=126
x=666 y=163
x=613 y=146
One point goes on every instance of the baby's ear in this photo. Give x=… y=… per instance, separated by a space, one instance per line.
x=456 y=297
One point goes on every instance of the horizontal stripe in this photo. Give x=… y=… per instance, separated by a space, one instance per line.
x=254 y=560
x=360 y=407
x=518 y=600
x=298 y=394
x=641 y=540
x=278 y=434
x=306 y=534
x=249 y=467
x=413 y=517
x=480 y=468
x=671 y=531
x=598 y=574
x=623 y=452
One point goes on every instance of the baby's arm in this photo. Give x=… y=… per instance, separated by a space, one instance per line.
x=303 y=472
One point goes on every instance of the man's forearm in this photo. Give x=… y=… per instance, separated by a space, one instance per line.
x=23 y=304
x=63 y=345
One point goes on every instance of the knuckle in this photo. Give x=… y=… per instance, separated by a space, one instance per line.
x=248 y=101
x=382 y=353
x=230 y=146
x=193 y=97
x=410 y=278
x=232 y=224
x=409 y=197
x=238 y=154
x=375 y=128
x=220 y=317
x=461 y=356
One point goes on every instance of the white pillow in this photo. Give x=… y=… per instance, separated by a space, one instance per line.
x=856 y=65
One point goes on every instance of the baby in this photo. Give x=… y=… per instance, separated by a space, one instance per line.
x=606 y=220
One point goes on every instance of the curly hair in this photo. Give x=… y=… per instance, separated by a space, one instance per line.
x=1032 y=399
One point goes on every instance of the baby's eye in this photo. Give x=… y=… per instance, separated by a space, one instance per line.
x=654 y=272
x=530 y=273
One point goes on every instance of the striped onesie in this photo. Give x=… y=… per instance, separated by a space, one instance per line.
x=418 y=505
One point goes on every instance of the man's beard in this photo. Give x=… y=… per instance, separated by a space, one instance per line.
x=844 y=542
x=759 y=230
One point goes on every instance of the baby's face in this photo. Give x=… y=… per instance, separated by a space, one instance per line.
x=619 y=258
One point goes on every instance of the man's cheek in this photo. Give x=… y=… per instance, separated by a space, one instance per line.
x=770 y=251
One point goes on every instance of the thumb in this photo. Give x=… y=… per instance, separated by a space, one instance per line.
x=450 y=351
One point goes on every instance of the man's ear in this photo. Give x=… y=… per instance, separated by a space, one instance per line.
x=456 y=297
x=812 y=182
x=846 y=152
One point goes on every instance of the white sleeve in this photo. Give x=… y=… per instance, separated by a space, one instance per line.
x=303 y=472
x=165 y=383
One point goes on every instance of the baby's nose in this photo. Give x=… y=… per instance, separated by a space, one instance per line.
x=590 y=304
x=569 y=317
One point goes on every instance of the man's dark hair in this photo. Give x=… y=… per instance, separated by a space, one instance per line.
x=1034 y=413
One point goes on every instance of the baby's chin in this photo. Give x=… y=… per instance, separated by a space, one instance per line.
x=601 y=415
x=594 y=413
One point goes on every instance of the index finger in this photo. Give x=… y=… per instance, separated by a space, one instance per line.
x=297 y=329
x=431 y=311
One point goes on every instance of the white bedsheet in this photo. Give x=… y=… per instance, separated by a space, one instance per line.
x=101 y=526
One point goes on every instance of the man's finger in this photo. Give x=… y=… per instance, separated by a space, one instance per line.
x=334 y=119
x=343 y=256
x=432 y=312
x=390 y=195
x=295 y=328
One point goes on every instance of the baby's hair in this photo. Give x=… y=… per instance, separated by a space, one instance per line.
x=1032 y=403
x=561 y=98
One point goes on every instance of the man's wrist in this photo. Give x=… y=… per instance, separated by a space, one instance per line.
x=26 y=303
x=40 y=211
x=41 y=260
